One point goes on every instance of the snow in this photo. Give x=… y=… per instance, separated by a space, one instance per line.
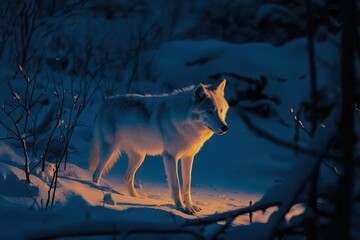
x=229 y=172
x=272 y=11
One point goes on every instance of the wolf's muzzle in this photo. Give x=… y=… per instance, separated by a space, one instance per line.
x=224 y=128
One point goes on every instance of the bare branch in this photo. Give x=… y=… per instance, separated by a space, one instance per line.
x=298 y=176
x=8 y=138
x=299 y=122
x=279 y=141
x=26 y=186
x=258 y=206
x=12 y=132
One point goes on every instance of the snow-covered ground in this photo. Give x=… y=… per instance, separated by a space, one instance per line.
x=229 y=172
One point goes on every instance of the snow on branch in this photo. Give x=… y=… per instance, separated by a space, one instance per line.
x=292 y=186
x=297 y=177
x=261 y=205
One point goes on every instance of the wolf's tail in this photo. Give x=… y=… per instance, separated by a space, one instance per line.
x=94 y=155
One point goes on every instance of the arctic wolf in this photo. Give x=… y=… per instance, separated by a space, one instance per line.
x=174 y=125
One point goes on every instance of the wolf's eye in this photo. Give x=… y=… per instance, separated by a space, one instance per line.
x=209 y=111
x=221 y=110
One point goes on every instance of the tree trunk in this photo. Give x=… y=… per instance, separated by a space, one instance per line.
x=347 y=134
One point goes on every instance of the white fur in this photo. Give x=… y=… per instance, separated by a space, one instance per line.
x=173 y=125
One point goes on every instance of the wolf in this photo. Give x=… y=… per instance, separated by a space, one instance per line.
x=174 y=125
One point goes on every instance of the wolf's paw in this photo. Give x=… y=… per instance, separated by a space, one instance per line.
x=182 y=208
x=133 y=193
x=188 y=208
x=196 y=208
x=96 y=180
x=192 y=209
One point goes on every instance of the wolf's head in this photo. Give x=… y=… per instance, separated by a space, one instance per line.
x=210 y=106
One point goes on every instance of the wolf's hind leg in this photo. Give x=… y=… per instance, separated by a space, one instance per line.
x=134 y=162
x=108 y=156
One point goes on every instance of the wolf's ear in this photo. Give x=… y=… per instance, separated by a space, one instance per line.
x=199 y=93
x=220 y=86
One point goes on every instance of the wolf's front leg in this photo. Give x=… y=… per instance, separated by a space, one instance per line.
x=173 y=179
x=186 y=168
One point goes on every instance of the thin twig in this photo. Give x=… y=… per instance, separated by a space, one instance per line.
x=281 y=142
x=299 y=122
